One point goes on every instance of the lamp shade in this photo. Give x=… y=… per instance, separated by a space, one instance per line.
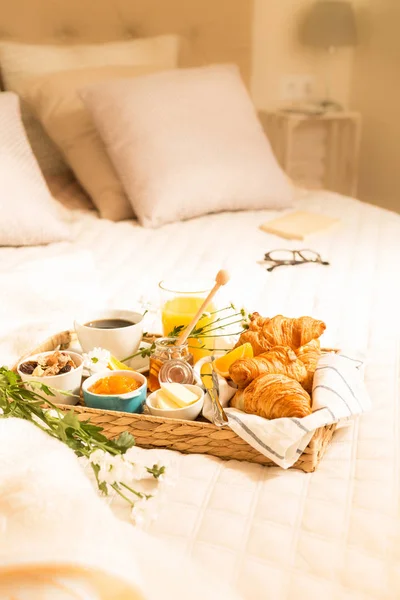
x=330 y=23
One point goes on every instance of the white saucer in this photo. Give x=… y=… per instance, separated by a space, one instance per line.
x=139 y=364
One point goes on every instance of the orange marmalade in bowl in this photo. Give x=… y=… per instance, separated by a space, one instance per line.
x=114 y=385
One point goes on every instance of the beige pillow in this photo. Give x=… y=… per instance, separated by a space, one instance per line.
x=186 y=143
x=20 y=62
x=56 y=103
x=29 y=215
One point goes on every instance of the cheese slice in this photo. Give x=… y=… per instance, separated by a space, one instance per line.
x=179 y=394
x=164 y=402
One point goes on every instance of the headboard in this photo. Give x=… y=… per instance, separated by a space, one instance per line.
x=211 y=30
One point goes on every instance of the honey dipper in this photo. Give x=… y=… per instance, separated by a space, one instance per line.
x=221 y=279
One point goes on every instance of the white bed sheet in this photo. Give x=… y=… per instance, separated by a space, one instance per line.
x=280 y=535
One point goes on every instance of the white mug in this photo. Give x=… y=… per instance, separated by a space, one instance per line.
x=121 y=341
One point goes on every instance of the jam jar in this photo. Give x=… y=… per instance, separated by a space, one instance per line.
x=169 y=363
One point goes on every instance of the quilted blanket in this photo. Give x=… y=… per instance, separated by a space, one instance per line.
x=273 y=534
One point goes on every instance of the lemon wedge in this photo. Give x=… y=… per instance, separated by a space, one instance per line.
x=222 y=364
x=116 y=365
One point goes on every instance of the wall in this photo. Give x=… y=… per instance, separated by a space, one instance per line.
x=376 y=94
x=277 y=51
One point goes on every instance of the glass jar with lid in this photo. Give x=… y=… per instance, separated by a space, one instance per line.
x=170 y=363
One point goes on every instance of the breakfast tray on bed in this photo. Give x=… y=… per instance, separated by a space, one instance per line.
x=194 y=437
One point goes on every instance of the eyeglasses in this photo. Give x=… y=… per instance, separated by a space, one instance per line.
x=281 y=258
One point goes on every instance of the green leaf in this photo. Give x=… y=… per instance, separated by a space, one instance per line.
x=144 y=352
x=71 y=420
x=90 y=428
x=125 y=441
x=11 y=377
x=49 y=391
x=102 y=486
x=99 y=437
x=176 y=331
x=156 y=471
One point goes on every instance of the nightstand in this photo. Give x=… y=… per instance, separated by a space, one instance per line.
x=317 y=151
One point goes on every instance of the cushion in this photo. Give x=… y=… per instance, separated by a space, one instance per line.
x=55 y=101
x=187 y=142
x=20 y=62
x=29 y=215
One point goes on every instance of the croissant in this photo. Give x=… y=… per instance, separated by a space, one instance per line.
x=253 y=334
x=265 y=333
x=273 y=397
x=280 y=360
x=309 y=355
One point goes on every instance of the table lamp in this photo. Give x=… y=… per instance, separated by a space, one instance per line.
x=330 y=24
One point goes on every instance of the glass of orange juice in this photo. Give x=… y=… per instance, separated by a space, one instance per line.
x=180 y=302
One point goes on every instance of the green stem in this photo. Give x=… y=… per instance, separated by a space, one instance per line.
x=143 y=353
x=44 y=400
x=131 y=356
x=222 y=335
x=220 y=327
x=116 y=488
x=221 y=310
x=224 y=319
x=132 y=490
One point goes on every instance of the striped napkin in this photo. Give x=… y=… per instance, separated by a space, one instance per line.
x=339 y=393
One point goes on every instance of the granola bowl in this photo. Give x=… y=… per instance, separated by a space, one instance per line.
x=61 y=371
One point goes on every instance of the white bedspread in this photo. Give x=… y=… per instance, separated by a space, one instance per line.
x=279 y=535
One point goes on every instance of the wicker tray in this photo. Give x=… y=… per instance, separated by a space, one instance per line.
x=195 y=437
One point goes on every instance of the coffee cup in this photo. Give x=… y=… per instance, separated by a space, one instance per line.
x=119 y=331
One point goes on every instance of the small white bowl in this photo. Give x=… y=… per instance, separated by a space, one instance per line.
x=66 y=382
x=188 y=413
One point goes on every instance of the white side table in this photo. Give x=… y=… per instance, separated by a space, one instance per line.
x=317 y=151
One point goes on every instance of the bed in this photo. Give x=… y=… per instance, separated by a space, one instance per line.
x=334 y=532
x=271 y=533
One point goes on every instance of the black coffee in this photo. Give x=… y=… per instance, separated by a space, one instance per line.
x=109 y=323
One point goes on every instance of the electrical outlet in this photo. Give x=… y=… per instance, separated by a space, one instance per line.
x=297 y=88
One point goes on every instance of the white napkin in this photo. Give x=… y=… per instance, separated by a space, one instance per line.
x=339 y=393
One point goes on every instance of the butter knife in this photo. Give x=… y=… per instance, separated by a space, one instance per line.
x=210 y=381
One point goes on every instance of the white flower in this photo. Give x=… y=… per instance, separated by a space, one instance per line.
x=138 y=514
x=166 y=478
x=144 y=511
x=107 y=475
x=121 y=469
x=138 y=472
x=53 y=413
x=98 y=457
x=113 y=469
x=97 y=360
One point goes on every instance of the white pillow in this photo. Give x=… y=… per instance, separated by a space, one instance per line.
x=29 y=215
x=187 y=142
x=54 y=99
x=20 y=62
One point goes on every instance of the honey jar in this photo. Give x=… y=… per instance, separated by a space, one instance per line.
x=169 y=363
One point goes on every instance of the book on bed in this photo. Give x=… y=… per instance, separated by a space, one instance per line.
x=298 y=225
